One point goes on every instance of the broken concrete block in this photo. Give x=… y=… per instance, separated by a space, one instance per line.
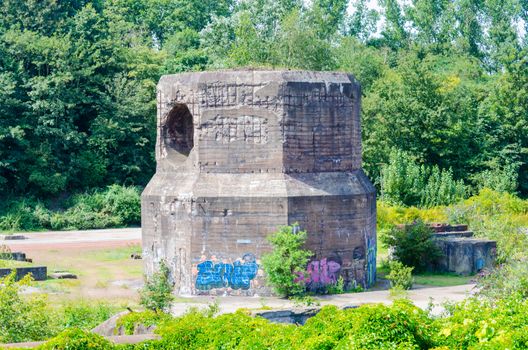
x=62 y=275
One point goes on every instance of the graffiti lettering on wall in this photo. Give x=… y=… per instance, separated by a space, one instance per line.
x=371 y=261
x=222 y=275
x=321 y=273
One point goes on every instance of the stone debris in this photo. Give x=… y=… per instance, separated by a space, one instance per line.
x=11 y=237
x=61 y=275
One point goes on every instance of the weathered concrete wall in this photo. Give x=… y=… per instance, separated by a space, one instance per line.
x=240 y=153
x=466 y=256
x=461 y=252
x=39 y=273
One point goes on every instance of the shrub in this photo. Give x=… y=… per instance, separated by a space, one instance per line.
x=389 y=215
x=483 y=324
x=400 y=276
x=124 y=202
x=336 y=288
x=23 y=215
x=156 y=295
x=77 y=339
x=84 y=315
x=472 y=324
x=285 y=266
x=113 y=207
x=499 y=216
x=146 y=318
x=502 y=176
x=509 y=280
x=413 y=245
x=403 y=182
x=22 y=319
x=401 y=326
x=116 y=206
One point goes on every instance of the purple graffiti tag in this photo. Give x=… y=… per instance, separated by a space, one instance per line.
x=321 y=273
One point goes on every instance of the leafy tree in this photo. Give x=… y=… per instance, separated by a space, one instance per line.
x=300 y=46
x=444 y=81
x=363 y=21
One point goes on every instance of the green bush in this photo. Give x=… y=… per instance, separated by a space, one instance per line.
x=367 y=327
x=509 y=280
x=146 y=318
x=124 y=202
x=83 y=315
x=473 y=324
x=404 y=182
x=156 y=295
x=286 y=264
x=115 y=206
x=478 y=323
x=77 y=339
x=23 y=215
x=336 y=288
x=413 y=245
x=499 y=216
x=22 y=319
x=400 y=276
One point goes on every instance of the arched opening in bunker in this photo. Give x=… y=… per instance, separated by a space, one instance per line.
x=178 y=129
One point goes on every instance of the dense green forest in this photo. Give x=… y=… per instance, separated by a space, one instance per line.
x=445 y=84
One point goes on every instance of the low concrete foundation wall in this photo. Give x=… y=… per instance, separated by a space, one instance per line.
x=40 y=273
x=466 y=256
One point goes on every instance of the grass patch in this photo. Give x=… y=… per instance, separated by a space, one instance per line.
x=57 y=285
x=441 y=279
x=115 y=254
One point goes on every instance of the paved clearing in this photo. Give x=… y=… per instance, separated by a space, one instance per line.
x=420 y=296
x=106 y=237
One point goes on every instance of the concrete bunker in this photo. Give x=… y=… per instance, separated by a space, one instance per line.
x=269 y=148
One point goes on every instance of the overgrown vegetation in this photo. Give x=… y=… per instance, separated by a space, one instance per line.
x=404 y=182
x=157 y=295
x=75 y=338
x=495 y=215
x=147 y=318
x=413 y=245
x=285 y=266
x=400 y=276
x=22 y=319
x=29 y=318
x=470 y=325
x=116 y=206
x=445 y=84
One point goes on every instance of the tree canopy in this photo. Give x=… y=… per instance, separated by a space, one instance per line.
x=444 y=81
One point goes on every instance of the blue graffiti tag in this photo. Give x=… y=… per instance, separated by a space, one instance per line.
x=371 y=262
x=221 y=275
